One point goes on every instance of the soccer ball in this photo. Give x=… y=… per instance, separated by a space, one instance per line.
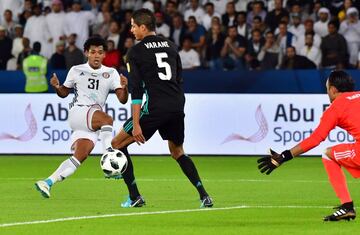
x=113 y=163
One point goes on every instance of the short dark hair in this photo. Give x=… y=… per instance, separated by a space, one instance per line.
x=37 y=47
x=335 y=23
x=95 y=41
x=144 y=17
x=341 y=80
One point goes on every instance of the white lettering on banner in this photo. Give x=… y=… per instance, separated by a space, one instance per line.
x=257 y=123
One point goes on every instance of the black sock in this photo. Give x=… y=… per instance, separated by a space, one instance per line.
x=189 y=169
x=348 y=205
x=129 y=177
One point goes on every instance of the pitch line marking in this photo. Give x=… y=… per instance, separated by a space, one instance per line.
x=157 y=213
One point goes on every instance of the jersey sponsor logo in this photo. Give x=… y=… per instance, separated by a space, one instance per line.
x=150 y=45
x=106 y=75
x=94 y=74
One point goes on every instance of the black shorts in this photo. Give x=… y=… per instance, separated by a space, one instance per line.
x=169 y=125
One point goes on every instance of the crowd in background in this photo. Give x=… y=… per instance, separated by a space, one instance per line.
x=210 y=34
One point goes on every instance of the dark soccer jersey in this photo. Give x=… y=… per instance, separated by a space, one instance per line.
x=154 y=68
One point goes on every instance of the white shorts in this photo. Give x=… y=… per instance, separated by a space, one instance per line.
x=80 y=122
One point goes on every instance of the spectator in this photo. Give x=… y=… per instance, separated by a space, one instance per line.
x=125 y=29
x=55 y=24
x=197 y=33
x=311 y=51
x=5 y=48
x=229 y=18
x=103 y=28
x=190 y=58
x=342 y=13
x=321 y=26
x=257 y=10
x=195 y=10
x=350 y=29
x=284 y=39
x=35 y=68
x=315 y=11
x=170 y=11
x=233 y=50
x=100 y=17
x=258 y=24
x=296 y=9
x=73 y=55
x=178 y=30
x=274 y=17
x=24 y=17
x=294 y=61
x=214 y=43
x=242 y=5
x=9 y=24
x=334 y=48
x=269 y=55
x=242 y=27
x=161 y=27
x=297 y=28
x=15 y=6
x=210 y=13
x=251 y=61
x=24 y=53
x=129 y=42
x=117 y=13
x=255 y=44
x=83 y=19
x=148 y=4
x=31 y=31
x=115 y=36
x=112 y=56
x=220 y=6
x=17 y=44
x=309 y=28
x=57 y=60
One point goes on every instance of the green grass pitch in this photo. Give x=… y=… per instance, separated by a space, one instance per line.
x=292 y=200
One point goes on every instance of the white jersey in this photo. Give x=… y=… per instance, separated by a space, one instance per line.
x=91 y=86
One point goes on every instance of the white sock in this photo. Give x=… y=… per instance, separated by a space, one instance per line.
x=106 y=137
x=66 y=168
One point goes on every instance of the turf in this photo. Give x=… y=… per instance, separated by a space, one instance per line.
x=292 y=200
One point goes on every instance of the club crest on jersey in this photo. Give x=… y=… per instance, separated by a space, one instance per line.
x=106 y=75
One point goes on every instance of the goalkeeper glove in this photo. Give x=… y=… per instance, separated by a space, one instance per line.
x=269 y=163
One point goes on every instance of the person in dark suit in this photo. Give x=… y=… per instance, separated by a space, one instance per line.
x=293 y=61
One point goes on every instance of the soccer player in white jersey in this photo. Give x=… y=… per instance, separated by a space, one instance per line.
x=91 y=83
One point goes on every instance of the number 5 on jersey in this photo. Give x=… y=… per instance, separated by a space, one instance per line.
x=163 y=64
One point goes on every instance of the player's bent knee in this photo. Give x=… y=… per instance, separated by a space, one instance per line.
x=327 y=154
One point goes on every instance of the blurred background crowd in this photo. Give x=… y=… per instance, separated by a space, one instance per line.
x=210 y=34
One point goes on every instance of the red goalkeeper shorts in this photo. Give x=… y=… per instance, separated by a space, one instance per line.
x=348 y=156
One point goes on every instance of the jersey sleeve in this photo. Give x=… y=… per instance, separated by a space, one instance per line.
x=115 y=80
x=328 y=122
x=135 y=78
x=70 y=79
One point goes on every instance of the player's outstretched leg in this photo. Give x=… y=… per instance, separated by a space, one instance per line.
x=189 y=169
x=345 y=211
x=66 y=168
x=134 y=199
x=82 y=148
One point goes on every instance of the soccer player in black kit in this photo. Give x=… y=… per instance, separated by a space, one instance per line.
x=154 y=68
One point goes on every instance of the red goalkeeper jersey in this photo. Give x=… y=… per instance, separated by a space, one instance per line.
x=344 y=112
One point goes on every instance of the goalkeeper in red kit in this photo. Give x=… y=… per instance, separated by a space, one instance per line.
x=343 y=112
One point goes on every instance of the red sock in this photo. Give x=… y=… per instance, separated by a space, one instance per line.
x=337 y=180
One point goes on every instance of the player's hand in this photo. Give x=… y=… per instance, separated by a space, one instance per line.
x=54 y=81
x=269 y=163
x=137 y=134
x=123 y=80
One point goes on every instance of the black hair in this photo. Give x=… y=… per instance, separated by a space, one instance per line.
x=144 y=17
x=95 y=41
x=341 y=80
x=335 y=23
x=37 y=47
x=209 y=4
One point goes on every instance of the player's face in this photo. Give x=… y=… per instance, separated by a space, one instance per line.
x=95 y=56
x=136 y=30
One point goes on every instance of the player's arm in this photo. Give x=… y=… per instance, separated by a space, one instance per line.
x=328 y=122
x=61 y=90
x=122 y=93
x=136 y=96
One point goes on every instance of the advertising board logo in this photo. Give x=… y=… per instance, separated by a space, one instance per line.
x=259 y=135
x=31 y=128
